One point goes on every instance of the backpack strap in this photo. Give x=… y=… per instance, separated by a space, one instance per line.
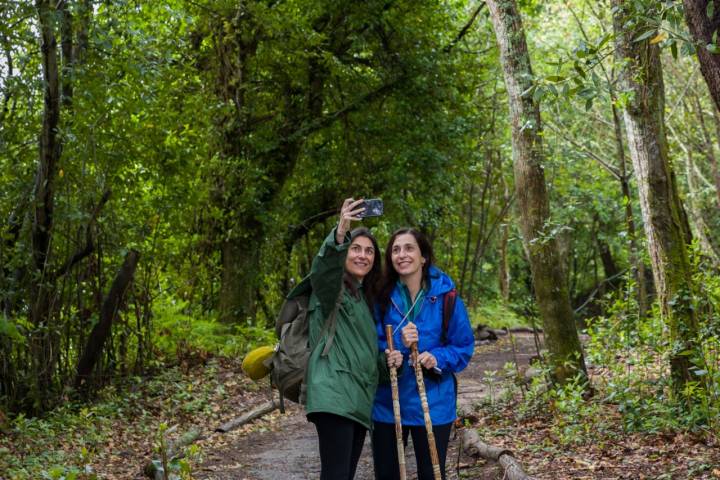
x=448 y=310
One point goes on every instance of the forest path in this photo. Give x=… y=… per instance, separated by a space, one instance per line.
x=288 y=450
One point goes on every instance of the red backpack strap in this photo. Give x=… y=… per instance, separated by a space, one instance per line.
x=448 y=310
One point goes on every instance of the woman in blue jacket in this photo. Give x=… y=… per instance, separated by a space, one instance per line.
x=411 y=300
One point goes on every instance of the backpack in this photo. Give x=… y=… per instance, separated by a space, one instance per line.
x=289 y=362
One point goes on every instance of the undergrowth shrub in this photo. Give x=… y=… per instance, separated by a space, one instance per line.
x=496 y=314
x=629 y=356
x=178 y=330
x=634 y=352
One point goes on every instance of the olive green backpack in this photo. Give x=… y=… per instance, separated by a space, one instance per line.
x=289 y=362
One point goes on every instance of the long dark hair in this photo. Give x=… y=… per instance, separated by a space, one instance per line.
x=391 y=276
x=371 y=281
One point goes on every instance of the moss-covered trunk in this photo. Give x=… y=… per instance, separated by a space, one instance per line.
x=550 y=283
x=666 y=225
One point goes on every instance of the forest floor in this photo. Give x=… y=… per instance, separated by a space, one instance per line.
x=115 y=437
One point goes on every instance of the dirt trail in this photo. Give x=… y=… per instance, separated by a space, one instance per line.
x=286 y=449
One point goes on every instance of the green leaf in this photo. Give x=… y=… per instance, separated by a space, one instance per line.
x=538 y=94
x=555 y=78
x=579 y=69
x=604 y=40
x=712 y=48
x=645 y=36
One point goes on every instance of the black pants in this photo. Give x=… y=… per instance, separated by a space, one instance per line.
x=385 y=454
x=341 y=442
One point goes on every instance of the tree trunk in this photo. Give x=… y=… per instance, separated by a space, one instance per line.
x=468 y=238
x=702 y=30
x=708 y=147
x=550 y=285
x=512 y=470
x=503 y=266
x=636 y=260
x=101 y=331
x=697 y=220
x=608 y=262
x=240 y=265
x=68 y=61
x=666 y=225
x=85 y=11
x=42 y=288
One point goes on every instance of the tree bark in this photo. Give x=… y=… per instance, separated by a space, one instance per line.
x=666 y=225
x=708 y=147
x=240 y=264
x=475 y=446
x=566 y=356
x=81 y=46
x=468 y=238
x=503 y=264
x=42 y=289
x=697 y=220
x=702 y=28
x=101 y=331
x=68 y=60
x=635 y=258
x=255 y=413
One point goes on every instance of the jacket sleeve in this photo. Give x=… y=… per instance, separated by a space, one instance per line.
x=327 y=271
x=455 y=355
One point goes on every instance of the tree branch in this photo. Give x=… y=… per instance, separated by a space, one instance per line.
x=611 y=169
x=89 y=241
x=464 y=30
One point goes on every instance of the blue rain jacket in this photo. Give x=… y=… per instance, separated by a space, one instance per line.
x=452 y=357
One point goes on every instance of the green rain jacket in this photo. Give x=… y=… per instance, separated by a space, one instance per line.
x=344 y=381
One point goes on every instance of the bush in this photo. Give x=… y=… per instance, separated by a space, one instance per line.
x=496 y=314
x=178 y=331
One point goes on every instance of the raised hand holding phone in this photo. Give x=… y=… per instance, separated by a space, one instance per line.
x=349 y=212
x=373 y=207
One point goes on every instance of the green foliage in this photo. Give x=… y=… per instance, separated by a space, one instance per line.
x=495 y=314
x=635 y=352
x=179 y=333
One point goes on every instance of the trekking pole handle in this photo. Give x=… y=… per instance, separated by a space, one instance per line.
x=389 y=336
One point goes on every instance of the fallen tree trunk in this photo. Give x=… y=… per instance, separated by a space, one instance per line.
x=253 y=414
x=525 y=330
x=475 y=446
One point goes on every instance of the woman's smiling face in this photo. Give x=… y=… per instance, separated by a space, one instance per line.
x=407 y=258
x=360 y=257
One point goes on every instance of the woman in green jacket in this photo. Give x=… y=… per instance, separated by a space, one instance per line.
x=342 y=372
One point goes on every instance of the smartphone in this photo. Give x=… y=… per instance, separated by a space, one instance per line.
x=373 y=207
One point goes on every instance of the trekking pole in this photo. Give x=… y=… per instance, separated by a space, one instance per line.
x=426 y=413
x=396 y=406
